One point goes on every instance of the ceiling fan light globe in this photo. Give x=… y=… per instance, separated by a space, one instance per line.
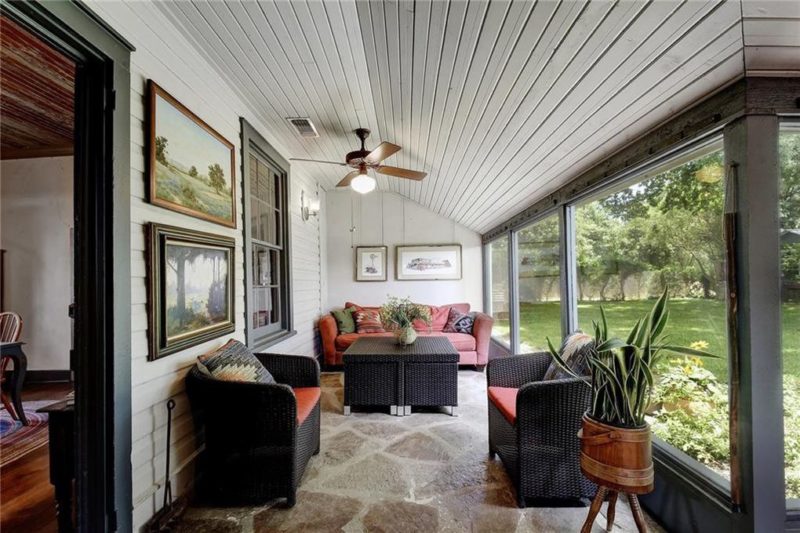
x=363 y=184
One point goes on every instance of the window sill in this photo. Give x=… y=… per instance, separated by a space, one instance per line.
x=270 y=340
x=690 y=472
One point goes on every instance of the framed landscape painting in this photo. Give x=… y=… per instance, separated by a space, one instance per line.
x=190 y=282
x=431 y=262
x=191 y=166
x=371 y=263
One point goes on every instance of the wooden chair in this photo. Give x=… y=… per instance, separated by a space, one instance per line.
x=10 y=331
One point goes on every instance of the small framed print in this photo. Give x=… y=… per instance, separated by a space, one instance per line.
x=431 y=262
x=371 y=263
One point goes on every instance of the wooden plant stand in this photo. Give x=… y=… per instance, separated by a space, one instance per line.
x=612 y=494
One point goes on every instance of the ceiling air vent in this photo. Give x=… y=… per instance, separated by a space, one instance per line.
x=304 y=127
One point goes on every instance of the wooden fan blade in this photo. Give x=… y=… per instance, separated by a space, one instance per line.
x=318 y=161
x=348 y=178
x=402 y=173
x=380 y=153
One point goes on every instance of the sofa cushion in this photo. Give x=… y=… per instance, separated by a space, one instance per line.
x=575 y=351
x=505 y=399
x=439 y=315
x=458 y=322
x=307 y=398
x=343 y=342
x=368 y=322
x=344 y=319
x=347 y=305
x=233 y=361
x=462 y=342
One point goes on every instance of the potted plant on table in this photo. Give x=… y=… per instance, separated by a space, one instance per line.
x=616 y=448
x=399 y=315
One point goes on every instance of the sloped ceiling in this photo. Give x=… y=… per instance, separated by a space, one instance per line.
x=500 y=102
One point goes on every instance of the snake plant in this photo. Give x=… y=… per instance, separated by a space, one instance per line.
x=622 y=370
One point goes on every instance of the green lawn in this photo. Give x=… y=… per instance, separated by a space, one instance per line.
x=690 y=320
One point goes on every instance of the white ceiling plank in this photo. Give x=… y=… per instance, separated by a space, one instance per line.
x=723 y=72
x=454 y=26
x=563 y=42
x=721 y=46
x=515 y=83
x=515 y=19
x=657 y=45
x=513 y=142
x=436 y=33
x=500 y=102
x=269 y=34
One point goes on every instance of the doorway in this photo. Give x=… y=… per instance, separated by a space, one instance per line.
x=98 y=442
x=37 y=117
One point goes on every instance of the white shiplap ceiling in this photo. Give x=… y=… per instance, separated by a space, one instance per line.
x=500 y=102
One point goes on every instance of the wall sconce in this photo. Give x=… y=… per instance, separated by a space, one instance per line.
x=309 y=207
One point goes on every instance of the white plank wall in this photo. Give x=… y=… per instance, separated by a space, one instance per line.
x=165 y=56
x=389 y=219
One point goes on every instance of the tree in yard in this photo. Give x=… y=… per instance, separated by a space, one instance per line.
x=193 y=171
x=216 y=177
x=161 y=149
x=789 y=152
x=177 y=258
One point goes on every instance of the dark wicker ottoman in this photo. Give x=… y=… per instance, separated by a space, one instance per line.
x=380 y=372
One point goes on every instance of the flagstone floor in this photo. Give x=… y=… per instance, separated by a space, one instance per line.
x=424 y=472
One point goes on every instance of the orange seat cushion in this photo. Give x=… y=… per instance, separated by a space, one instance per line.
x=307 y=399
x=505 y=399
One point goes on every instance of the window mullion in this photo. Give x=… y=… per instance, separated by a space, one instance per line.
x=513 y=292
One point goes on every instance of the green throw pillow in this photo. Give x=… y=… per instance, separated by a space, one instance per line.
x=344 y=319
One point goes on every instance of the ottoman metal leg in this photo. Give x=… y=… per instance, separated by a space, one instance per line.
x=453 y=411
x=393 y=410
x=346 y=410
x=407 y=410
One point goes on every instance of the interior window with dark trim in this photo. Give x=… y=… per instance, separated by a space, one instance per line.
x=268 y=295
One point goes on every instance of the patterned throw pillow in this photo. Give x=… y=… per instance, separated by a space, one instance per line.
x=458 y=322
x=233 y=361
x=344 y=319
x=575 y=352
x=368 y=321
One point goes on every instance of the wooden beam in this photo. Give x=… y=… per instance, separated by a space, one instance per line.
x=30 y=153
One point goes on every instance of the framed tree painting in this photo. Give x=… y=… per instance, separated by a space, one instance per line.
x=190 y=288
x=431 y=262
x=191 y=166
x=371 y=263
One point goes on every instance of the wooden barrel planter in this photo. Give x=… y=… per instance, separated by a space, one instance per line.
x=618 y=458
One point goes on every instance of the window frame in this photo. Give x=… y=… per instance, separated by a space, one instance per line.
x=252 y=143
x=787 y=124
x=713 y=486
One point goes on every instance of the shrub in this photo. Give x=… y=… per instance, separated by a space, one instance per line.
x=690 y=411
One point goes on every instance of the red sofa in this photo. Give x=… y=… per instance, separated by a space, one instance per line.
x=473 y=349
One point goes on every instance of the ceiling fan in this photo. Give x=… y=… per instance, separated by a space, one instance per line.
x=363 y=160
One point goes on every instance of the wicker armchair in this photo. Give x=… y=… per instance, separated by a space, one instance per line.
x=258 y=437
x=533 y=426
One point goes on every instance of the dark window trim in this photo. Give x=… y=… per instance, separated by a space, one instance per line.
x=252 y=140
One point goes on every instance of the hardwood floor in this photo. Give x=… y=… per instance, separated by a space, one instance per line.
x=27 y=501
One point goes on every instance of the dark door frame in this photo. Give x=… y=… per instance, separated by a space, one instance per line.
x=101 y=358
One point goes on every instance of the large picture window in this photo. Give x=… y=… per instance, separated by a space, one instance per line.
x=539 y=284
x=665 y=231
x=267 y=271
x=499 y=290
x=789 y=212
